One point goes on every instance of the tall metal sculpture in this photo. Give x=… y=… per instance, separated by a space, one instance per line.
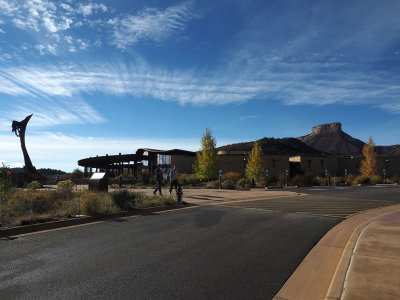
x=19 y=129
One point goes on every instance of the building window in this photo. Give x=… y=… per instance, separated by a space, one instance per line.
x=322 y=164
x=309 y=163
x=387 y=164
x=273 y=163
x=163 y=159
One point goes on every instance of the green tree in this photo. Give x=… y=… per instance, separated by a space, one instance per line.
x=76 y=175
x=206 y=164
x=368 y=164
x=255 y=166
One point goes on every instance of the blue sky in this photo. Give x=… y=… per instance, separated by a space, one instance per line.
x=113 y=76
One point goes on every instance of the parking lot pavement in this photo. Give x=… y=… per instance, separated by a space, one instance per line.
x=329 y=202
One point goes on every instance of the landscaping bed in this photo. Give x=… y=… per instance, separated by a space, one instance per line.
x=34 y=205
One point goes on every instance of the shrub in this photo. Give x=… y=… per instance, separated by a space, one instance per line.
x=281 y=179
x=228 y=184
x=188 y=179
x=260 y=184
x=33 y=219
x=124 y=199
x=389 y=181
x=240 y=184
x=145 y=178
x=351 y=178
x=338 y=180
x=65 y=186
x=234 y=176
x=34 y=185
x=318 y=180
x=395 y=179
x=143 y=200
x=295 y=181
x=302 y=180
x=362 y=179
x=90 y=203
x=213 y=184
x=22 y=202
x=376 y=179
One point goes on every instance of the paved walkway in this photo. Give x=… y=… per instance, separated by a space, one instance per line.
x=216 y=196
x=357 y=259
x=374 y=271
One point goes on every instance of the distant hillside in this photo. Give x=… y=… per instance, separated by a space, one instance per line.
x=285 y=146
x=393 y=151
x=44 y=171
x=325 y=138
x=330 y=138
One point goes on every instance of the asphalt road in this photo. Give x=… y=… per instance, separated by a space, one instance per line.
x=210 y=252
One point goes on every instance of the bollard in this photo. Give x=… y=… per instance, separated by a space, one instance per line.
x=2 y=215
x=179 y=195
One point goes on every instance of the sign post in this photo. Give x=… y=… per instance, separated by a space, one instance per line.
x=345 y=176
x=384 y=175
x=220 y=178
x=286 y=173
x=266 y=177
x=326 y=176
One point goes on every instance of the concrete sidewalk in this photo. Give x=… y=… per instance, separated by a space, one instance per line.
x=357 y=259
x=374 y=271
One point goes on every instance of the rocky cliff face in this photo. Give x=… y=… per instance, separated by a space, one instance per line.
x=329 y=138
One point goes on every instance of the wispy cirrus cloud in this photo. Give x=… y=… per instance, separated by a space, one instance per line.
x=151 y=24
x=50 y=112
x=294 y=84
x=248 y=117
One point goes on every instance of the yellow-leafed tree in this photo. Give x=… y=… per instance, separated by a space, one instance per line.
x=255 y=166
x=206 y=164
x=368 y=164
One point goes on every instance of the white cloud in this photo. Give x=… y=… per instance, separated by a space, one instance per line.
x=40 y=48
x=294 y=84
x=248 y=117
x=49 y=113
x=151 y=24
x=2 y=31
x=67 y=7
x=82 y=45
x=88 y=9
x=7 y=8
x=52 y=49
x=68 y=39
x=35 y=14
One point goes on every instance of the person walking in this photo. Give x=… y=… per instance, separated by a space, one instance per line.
x=173 y=177
x=159 y=175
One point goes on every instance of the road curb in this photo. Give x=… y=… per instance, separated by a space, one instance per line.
x=84 y=220
x=322 y=272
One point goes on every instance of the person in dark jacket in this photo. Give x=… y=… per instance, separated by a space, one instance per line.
x=173 y=177
x=159 y=175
